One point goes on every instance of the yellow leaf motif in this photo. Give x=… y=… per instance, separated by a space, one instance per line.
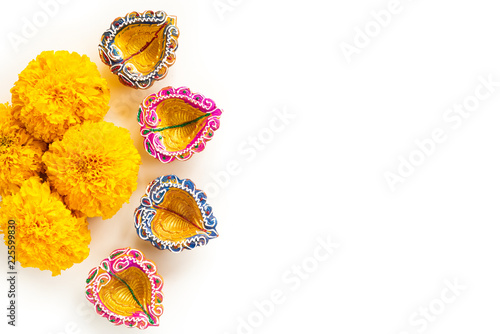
x=127 y=293
x=174 y=215
x=176 y=123
x=178 y=217
x=140 y=47
x=179 y=123
x=125 y=289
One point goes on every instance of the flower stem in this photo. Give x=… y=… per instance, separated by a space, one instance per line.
x=133 y=295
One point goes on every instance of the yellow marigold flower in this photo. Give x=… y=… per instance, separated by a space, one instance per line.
x=58 y=90
x=95 y=166
x=20 y=153
x=47 y=234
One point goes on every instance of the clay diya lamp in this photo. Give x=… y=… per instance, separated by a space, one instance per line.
x=174 y=215
x=125 y=289
x=176 y=123
x=140 y=47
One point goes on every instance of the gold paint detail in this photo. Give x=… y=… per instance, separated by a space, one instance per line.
x=116 y=295
x=142 y=46
x=174 y=112
x=177 y=217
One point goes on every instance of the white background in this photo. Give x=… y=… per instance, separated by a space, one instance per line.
x=319 y=176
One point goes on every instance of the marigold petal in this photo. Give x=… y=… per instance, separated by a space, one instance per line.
x=48 y=235
x=95 y=167
x=20 y=153
x=58 y=90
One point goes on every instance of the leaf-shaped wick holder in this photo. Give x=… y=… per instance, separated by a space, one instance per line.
x=174 y=215
x=140 y=47
x=125 y=289
x=176 y=123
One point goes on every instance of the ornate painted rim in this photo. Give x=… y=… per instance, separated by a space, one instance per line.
x=148 y=120
x=118 y=261
x=112 y=58
x=155 y=193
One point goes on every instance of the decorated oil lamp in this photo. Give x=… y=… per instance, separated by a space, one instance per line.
x=176 y=123
x=174 y=215
x=140 y=47
x=126 y=289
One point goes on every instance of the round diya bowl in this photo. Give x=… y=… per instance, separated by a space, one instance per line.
x=126 y=289
x=176 y=123
x=174 y=215
x=140 y=47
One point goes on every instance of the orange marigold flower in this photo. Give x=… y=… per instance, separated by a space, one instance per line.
x=95 y=167
x=58 y=90
x=47 y=234
x=20 y=153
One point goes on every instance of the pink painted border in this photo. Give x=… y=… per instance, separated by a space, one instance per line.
x=148 y=119
x=99 y=277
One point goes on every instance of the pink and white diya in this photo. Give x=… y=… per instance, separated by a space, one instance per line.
x=176 y=123
x=126 y=289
